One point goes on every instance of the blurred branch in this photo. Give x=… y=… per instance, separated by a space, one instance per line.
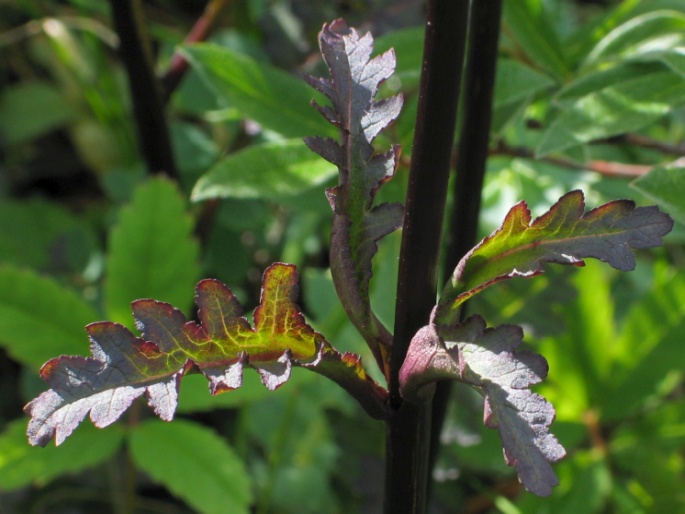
x=179 y=65
x=608 y=168
x=148 y=108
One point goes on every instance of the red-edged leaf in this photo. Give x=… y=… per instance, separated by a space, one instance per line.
x=566 y=234
x=487 y=360
x=124 y=367
x=357 y=225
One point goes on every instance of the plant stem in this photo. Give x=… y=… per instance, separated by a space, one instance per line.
x=408 y=430
x=472 y=154
x=146 y=94
x=201 y=29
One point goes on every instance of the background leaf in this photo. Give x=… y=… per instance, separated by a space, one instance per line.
x=194 y=463
x=666 y=186
x=39 y=318
x=269 y=171
x=152 y=252
x=22 y=465
x=614 y=108
x=275 y=99
x=531 y=29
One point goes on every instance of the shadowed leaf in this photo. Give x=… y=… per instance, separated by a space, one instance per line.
x=487 y=360
x=357 y=225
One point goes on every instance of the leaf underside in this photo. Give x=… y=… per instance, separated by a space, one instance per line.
x=566 y=234
x=124 y=367
x=486 y=359
x=357 y=224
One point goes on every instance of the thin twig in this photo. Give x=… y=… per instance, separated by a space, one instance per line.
x=608 y=168
x=178 y=66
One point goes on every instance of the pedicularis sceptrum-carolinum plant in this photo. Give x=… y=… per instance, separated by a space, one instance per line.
x=222 y=343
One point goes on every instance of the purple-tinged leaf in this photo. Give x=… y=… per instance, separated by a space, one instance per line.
x=124 y=367
x=357 y=225
x=566 y=234
x=487 y=360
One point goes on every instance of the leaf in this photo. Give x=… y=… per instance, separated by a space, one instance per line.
x=615 y=108
x=261 y=92
x=269 y=170
x=666 y=186
x=22 y=465
x=487 y=360
x=645 y=36
x=516 y=82
x=152 y=252
x=563 y=235
x=30 y=110
x=194 y=463
x=530 y=27
x=124 y=367
x=44 y=236
x=357 y=225
x=39 y=318
x=408 y=46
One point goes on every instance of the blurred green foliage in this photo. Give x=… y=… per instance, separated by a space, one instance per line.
x=588 y=97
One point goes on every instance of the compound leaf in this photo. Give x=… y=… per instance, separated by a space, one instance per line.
x=124 y=367
x=357 y=225
x=564 y=235
x=487 y=360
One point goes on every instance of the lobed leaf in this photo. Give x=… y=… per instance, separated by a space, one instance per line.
x=487 y=360
x=124 y=367
x=357 y=225
x=564 y=235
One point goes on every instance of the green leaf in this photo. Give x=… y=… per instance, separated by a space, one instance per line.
x=31 y=109
x=675 y=60
x=357 y=224
x=275 y=99
x=529 y=25
x=516 y=82
x=22 y=465
x=613 y=108
x=125 y=367
x=642 y=37
x=268 y=171
x=43 y=235
x=193 y=463
x=39 y=318
x=666 y=186
x=152 y=252
x=488 y=361
x=652 y=344
x=564 y=235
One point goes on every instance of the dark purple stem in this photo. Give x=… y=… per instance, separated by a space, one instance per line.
x=148 y=108
x=408 y=430
x=472 y=153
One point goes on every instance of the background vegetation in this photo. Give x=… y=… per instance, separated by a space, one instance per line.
x=588 y=95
